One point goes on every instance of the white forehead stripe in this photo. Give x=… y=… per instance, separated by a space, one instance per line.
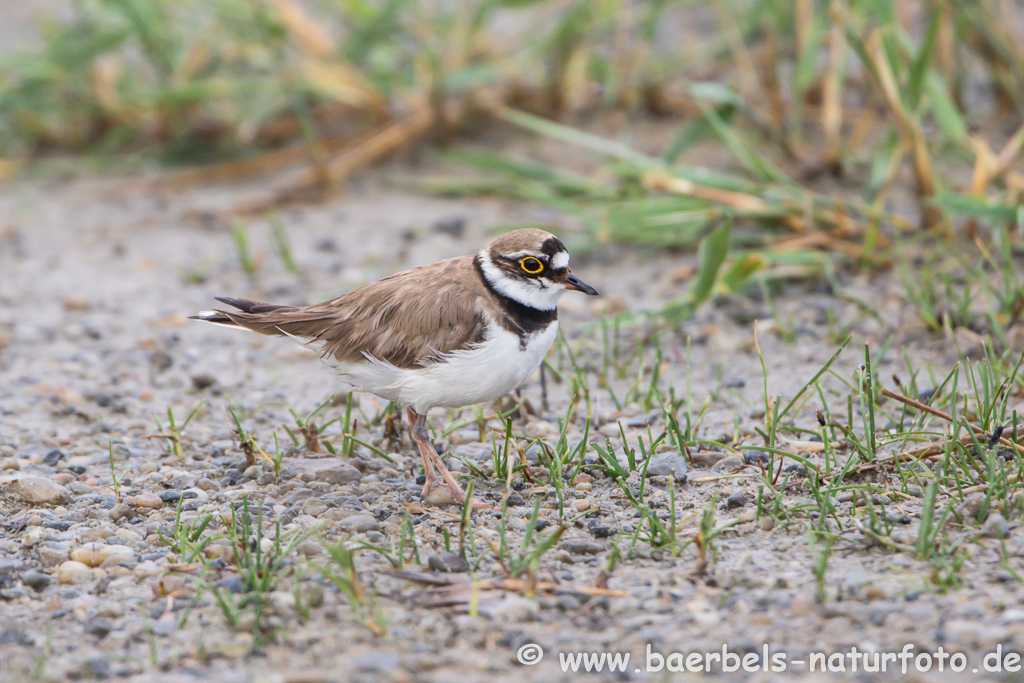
x=523 y=254
x=559 y=260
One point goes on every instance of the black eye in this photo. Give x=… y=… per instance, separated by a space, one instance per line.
x=531 y=265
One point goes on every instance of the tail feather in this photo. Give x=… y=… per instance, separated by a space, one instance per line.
x=250 y=306
x=219 y=317
x=255 y=316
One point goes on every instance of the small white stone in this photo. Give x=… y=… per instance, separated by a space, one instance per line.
x=147 y=569
x=36 y=490
x=35 y=535
x=74 y=572
x=103 y=554
x=582 y=504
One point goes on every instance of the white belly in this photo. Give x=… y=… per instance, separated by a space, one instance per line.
x=492 y=369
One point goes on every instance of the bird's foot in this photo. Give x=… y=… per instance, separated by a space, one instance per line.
x=449 y=492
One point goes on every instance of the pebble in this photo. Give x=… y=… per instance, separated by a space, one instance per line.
x=72 y=571
x=12 y=593
x=736 y=500
x=729 y=464
x=513 y=609
x=103 y=554
x=705 y=459
x=120 y=511
x=52 y=458
x=99 y=627
x=969 y=510
x=36 y=491
x=440 y=495
x=357 y=523
x=668 y=463
x=995 y=526
x=449 y=562
x=314 y=507
x=755 y=457
x=232 y=584
x=170 y=496
x=582 y=546
x=52 y=552
x=147 y=569
x=146 y=499
x=582 y=504
x=35 y=534
x=36 y=580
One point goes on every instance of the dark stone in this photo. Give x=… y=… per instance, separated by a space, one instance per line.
x=326 y=245
x=448 y=562
x=97 y=667
x=203 y=381
x=10 y=636
x=600 y=531
x=642 y=420
x=232 y=584
x=754 y=457
x=736 y=500
x=582 y=547
x=99 y=627
x=77 y=469
x=515 y=500
x=453 y=225
x=669 y=463
x=795 y=469
x=288 y=516
x=160 y=360
x=58 y=525
x=11 y=565
x=12 y=593
x=36 y=580
x=53 y=457
x=170 y=496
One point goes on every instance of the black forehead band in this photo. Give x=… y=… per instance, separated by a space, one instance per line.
x=552 y=246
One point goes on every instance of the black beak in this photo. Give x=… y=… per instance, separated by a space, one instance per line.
x=573 y=282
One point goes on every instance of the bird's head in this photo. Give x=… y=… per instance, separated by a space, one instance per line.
x=531 y=266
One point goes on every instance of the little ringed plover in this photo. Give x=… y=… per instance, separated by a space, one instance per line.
x=453 y=333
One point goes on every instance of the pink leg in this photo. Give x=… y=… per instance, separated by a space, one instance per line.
x=431 y=460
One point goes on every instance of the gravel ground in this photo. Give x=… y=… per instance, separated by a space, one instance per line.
x=97 y=277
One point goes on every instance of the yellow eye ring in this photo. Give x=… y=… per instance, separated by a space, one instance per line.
x=531 y=265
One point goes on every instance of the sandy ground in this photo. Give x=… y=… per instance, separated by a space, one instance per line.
x=97 y=277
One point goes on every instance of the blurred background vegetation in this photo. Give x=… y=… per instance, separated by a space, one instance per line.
x=829 y=129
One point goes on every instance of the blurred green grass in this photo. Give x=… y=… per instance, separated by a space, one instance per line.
x=818 y=126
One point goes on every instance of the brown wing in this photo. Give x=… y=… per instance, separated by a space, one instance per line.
x=406 y=319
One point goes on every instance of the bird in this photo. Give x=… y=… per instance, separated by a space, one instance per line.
x=454 y=333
